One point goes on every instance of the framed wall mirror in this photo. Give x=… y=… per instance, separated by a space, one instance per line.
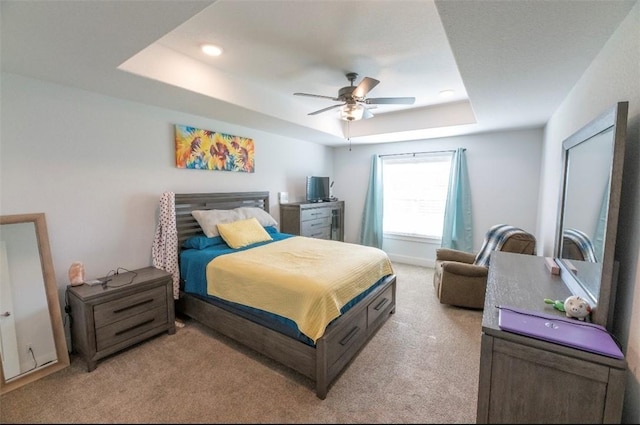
x=588 y=213
x=32 y=340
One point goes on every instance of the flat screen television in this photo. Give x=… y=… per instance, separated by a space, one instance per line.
x=317 y=189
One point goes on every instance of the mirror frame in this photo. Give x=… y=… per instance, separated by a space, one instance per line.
x=613 y=118
x=51 y=290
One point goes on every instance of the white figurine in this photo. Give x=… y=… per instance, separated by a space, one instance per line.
x=575 y=306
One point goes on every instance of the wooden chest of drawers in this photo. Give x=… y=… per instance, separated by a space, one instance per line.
x=322 y=220
x=529 y=380
x=128 y=309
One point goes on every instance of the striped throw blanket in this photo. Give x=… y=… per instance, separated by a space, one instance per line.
x=494 y=240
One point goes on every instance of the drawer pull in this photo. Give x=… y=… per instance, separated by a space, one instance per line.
x=350 y=336
x=146 y=322
x=120 y=310
x=380 y=304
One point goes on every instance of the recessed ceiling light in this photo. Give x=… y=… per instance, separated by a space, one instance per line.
x=446 y=93
x=211 y=50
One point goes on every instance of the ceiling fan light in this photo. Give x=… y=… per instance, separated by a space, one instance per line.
x=211 y=49
x=351 y=112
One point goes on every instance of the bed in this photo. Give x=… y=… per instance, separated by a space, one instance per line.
x=321 y=359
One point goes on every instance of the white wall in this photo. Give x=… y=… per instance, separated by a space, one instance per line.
x=504 y=172
x=96 y=166
x=613 y=76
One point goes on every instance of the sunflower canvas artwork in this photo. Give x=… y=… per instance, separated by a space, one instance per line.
x=210 y=150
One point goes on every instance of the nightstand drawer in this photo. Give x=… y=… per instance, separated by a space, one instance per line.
x=122 y=330
x=313 y=213
x=122 y=308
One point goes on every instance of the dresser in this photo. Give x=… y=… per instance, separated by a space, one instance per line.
x=322 y=220
x=131 y=307
x=526 y=380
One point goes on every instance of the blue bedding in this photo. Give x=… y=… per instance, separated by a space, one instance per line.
x=199 y=251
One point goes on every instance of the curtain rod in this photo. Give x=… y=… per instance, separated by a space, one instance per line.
x=418 y=153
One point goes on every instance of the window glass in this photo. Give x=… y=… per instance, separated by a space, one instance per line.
x=415 y=193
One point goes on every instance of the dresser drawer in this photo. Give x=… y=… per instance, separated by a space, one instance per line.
x=347 y=339
x=132 y=305
x=319 y=233
x=379 y=306
x=314 y=213
x=318 y=228
x=122 y=330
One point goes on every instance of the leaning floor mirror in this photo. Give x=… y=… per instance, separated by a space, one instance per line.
x=32 y=340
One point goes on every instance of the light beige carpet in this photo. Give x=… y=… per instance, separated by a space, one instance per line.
x=421 y=367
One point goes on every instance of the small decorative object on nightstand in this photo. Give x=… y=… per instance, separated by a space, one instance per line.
x=128 y=308
x=76 y=273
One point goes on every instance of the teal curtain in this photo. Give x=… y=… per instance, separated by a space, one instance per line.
x=457 y=232
x=371 y=230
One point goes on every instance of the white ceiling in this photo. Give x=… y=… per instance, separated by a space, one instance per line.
x=510 y=62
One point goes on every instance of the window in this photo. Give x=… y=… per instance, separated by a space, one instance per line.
x=415 y=194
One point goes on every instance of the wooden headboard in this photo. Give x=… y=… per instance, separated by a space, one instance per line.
x=187 y=226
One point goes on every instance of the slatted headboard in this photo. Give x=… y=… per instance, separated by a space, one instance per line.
x=187 y=226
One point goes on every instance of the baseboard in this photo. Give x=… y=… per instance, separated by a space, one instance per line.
x=414 y=261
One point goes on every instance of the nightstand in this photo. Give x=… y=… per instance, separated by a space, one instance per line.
x=132 y=307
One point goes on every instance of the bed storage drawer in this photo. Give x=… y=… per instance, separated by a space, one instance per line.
x=349 y=337
x=379 y=306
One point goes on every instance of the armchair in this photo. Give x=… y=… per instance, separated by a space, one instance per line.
x=460 y=278
x=576 y=245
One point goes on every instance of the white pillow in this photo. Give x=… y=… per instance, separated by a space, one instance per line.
x=209 y=219
x=263 y=217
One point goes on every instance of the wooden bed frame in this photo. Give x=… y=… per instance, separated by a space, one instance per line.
x=343 y=338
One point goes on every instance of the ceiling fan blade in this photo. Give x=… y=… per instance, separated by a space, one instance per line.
x=317 y=95
x=390 y=101
x=325 y=109
x=365 y=86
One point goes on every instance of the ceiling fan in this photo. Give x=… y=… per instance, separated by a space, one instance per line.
x=354 y=100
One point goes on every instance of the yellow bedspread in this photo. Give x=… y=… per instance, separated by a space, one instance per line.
x=303 y=279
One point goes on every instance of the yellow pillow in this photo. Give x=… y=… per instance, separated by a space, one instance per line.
x=243 y=232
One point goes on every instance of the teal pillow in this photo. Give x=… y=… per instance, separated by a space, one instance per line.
x=202 y=242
